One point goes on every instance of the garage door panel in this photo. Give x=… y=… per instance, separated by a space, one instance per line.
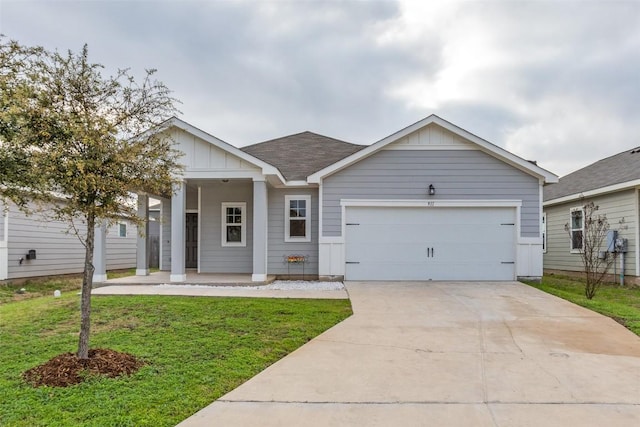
x=427 y=243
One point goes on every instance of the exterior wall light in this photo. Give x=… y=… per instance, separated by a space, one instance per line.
x=432 y=190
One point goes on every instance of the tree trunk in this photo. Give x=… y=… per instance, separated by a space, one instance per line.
x=87 y=284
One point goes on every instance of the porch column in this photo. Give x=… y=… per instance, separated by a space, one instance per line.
x=178 y=205
x=100 y=254
x=260 y=208
x=142 y=243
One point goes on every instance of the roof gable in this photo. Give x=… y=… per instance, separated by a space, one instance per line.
x=609 y=174
x=456 y=135
x=431 y=136
x=298 y=156
x=204 y=151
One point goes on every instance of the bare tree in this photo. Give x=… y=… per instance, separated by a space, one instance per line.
x=588 y=232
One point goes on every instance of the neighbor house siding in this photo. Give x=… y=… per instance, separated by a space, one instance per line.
x=455 y=174
x=58 y=249
x=165 y=235
x=278 y=249
x=615 y=206
x=121 y=251
x=214 y=257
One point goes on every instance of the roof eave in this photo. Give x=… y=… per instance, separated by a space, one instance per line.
x=486 y=146
x=593 y=193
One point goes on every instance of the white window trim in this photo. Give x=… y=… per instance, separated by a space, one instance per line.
x=126 y=230
x=243 y=224
x=571 y=230
x=545 y=248
x=307 y=218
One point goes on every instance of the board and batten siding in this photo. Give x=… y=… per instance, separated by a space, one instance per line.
x=278 y=249
x=58 y=250
x=615 y=206
x=407 y=174
x=214 y=258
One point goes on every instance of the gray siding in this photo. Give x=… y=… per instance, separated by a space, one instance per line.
x=121 y=251
x=59 y=251
x=615 y=206
x=214 y=257
x=456 y=174
x=165 y=235
x=278 y=249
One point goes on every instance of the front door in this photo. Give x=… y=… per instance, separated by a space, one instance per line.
x=191 y=241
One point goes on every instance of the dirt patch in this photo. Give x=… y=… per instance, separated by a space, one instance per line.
x=68 y=369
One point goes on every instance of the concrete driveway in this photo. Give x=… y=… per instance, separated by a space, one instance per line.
x=448 y=354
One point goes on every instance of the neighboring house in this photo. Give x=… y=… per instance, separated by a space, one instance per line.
x=56 y=248
x=430 y=202
x=613 y=184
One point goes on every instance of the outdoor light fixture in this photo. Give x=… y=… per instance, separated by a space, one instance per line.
x=432 y=190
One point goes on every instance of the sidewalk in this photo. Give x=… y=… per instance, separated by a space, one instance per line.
x=314 y=290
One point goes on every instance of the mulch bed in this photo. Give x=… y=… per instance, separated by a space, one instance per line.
x=68 y=369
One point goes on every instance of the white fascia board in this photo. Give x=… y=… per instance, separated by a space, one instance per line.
x=267 y=169
x=592 y=193
x=222 y=174
x=410 y=203
x=485 y=146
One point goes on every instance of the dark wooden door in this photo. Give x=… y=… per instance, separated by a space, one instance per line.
x=191 y=241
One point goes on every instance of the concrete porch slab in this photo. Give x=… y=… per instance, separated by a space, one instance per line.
x=193 y=278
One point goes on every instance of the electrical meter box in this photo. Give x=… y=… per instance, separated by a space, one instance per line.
x=621 y=245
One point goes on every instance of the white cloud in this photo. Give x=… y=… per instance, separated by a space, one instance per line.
x=551 y=81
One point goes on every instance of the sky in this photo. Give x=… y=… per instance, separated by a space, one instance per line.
x=553 y=81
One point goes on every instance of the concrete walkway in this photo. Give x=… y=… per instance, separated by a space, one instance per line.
x=448 y=354
x=218 y=291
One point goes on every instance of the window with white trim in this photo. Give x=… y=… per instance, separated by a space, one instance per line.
x=234 y=218
x=122 y=230
x=297 y=218
x=576 y=229
x=544 y=232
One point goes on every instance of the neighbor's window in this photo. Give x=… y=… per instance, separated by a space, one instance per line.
x=234 y=224
x=576 y=225
x=122 y=230
x=297 y=218
x=544 y=232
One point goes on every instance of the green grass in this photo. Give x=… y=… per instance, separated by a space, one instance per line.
x=34 y=288
x=619 y=303
x=196 y=349
x=41 y=286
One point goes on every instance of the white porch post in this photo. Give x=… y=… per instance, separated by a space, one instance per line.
x=178 y=206
x=260 y=208
x=142 y=243
x=100 y=254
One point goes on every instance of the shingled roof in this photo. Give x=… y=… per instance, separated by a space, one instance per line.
x=298 y=156
x=617 y=169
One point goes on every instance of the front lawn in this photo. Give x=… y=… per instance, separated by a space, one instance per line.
x=621 y=304
x=196 y=350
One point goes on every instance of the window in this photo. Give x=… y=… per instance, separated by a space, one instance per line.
x=122 y=230
x=576 y=228
x=544 y=233
x=234 y=231
x=297 y=218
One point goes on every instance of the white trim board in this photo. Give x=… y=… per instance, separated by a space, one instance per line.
x=436 y=203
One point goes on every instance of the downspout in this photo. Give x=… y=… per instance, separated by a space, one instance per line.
x=621 y=268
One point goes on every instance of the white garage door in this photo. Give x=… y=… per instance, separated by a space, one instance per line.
x=420 y=243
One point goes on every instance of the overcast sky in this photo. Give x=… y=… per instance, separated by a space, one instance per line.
x=552 y=81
